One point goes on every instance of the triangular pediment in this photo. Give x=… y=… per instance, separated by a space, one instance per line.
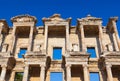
x=24 y=18
x=56 y=18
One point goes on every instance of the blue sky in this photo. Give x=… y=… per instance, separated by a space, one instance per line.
x=67 y=8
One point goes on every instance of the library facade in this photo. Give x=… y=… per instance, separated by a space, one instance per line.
x=58 y=51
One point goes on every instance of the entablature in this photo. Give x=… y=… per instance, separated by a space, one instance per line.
x=112 y=58
x=35 y=54
x=77 y=58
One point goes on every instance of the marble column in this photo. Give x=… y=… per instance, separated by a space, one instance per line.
x=85 y=72
x=1 y=27
x=1 y=36
x=116 y=33
x=68 y=72
x=67 y=38
x=115 y=42
x=109 y=72
x=30 y=38
x=26 y=73
x=101 y=38
x=12 y=76
x=42 y=73
x=3 y=73
x=13 y=40
x=82 y=38
x=46 y=38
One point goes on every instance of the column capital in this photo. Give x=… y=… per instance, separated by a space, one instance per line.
x=26 y=65
x=108 y=65
x=68 y=65
x=4 y=66
x=81 y=24
x=42 y=65
x=85 y=65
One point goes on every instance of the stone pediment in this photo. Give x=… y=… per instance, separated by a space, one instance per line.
x=89 y=18
x=56 y=18
x=24 y=18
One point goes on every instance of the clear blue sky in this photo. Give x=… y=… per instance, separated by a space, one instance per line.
x=67 y=8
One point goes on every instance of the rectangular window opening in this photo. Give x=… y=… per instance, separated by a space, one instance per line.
x=94 y=76
x=18 y=76
x=57 y=53
x=56 y=76
x=22 y=52
x=92 y=52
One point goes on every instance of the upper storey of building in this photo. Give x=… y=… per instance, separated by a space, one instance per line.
x=58 y=33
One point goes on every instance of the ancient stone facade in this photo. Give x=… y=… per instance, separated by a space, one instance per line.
x=76 y=64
